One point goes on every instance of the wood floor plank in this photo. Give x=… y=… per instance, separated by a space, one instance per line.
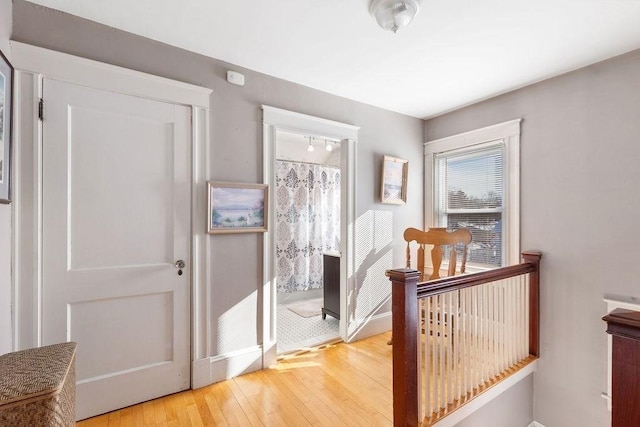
x=297 y=401
x=159 y=411
x=216 y=412
x=194 y=416
x=231 y=410
x=329 y=391
x=137 y=415
x=203 y=407
x=245 y=404
x=289 y=406
x=171 y=407
x=338 y=385
x=182 y=411
x=149 y=416
x=126 y=417
x=328 y=416
x=114 y=419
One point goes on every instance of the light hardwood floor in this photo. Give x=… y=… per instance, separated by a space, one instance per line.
x=340 y=385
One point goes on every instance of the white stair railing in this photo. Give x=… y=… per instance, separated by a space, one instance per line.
x=469 y=338
x=455 y=337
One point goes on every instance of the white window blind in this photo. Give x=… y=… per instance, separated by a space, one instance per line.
x=469 y=193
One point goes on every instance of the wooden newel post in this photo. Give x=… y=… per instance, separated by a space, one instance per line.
x=624 y=327
x=404 y=307
x=533 y=257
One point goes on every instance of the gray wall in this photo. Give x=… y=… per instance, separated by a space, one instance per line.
x=513 y=408
x=579 y=206
x=236 y=151
x=5 y=213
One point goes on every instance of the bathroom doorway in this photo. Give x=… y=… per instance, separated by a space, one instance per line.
x=307 y=239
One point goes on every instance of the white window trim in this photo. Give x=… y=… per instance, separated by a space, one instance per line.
x=509 y=133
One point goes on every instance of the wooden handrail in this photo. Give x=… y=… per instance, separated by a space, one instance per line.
x=455 y=283
x=404 y=296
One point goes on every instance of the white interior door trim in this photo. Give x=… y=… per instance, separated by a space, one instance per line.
x=274 y=119
x=32 y=64
x=87 y=72
x=290 y=120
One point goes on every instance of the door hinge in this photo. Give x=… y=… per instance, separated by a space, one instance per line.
x=41 y=109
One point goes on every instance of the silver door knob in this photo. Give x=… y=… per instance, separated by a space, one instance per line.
x=180 y=264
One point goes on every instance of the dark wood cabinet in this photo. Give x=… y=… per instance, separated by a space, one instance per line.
x=331 y=271
x=624 y=327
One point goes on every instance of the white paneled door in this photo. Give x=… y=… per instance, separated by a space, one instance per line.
x=116 y=199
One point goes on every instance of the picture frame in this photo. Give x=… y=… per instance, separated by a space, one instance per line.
x=237 y=207
x=6 y=108
x=393 y=188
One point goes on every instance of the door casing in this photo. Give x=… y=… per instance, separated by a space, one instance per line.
x=274 y=119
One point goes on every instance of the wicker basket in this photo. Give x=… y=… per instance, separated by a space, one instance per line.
x=38 y=387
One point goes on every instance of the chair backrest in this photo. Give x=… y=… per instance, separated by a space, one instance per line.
x=438 y=238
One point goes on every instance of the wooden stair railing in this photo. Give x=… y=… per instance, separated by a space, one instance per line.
x=624 y=327
x=406 y=293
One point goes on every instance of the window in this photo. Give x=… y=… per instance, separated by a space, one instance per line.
x=472 y=181
x=470 y=195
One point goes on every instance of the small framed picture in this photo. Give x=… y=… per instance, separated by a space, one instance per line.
x=236 y=208
x=394 y=180
x=6 y=92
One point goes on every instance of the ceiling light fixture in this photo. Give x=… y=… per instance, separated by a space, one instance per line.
x=394 y=14
x=327 y=145
x=310 y=147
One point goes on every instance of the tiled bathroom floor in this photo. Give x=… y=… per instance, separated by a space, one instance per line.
x=295 y=332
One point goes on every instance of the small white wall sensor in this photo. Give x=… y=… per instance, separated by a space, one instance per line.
x=235 y=78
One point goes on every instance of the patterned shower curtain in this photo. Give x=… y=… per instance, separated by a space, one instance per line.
x=308 y=222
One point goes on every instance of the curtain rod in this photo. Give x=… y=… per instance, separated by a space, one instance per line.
x=308 y=163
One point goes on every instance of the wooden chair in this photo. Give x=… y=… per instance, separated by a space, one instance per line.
x=454 y=243
x=440 y=239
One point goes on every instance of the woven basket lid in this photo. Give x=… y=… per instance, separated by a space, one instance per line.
x=34 y=372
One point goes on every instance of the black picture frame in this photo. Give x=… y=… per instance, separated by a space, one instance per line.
x=6 y=109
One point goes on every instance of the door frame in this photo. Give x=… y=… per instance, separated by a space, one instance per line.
x=32 y=65
x=275 y=119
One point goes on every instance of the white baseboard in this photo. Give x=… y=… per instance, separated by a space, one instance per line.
x=222 y=367
x=374 y=325
x=535 y=424
x=460 y=414
x=201 y=373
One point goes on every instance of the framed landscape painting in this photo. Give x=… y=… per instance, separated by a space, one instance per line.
x=6 y=84
x=394 y=180
x=236 y=208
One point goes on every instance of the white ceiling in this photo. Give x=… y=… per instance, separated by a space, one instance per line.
x=455 y=52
